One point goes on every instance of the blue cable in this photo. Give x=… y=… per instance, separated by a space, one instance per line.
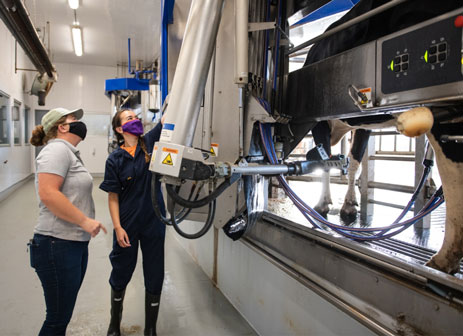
x=307 y=211
x=341 y=227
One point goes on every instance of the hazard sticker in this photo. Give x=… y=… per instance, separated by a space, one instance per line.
x=169 y=156
x=168 y=160
x=214 y=149
x=367 y=94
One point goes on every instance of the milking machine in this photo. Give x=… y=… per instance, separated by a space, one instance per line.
x=235 y=113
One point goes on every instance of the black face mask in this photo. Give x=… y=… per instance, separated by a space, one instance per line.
x=78 y=128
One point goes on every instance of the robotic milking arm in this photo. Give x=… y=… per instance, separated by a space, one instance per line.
x=174 y=158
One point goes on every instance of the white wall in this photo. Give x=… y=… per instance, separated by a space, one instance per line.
x=15 y=160
x=78 y=86
x=82 y=86
x=273 y=302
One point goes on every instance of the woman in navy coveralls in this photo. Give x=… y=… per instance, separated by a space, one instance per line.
x=128 y=183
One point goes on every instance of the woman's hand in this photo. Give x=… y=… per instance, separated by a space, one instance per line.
x=92 y=226
x=122 y=237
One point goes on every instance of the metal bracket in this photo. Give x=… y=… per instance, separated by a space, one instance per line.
x=256 y=26
x=451 y=138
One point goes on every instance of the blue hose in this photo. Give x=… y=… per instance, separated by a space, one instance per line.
x=313 y=217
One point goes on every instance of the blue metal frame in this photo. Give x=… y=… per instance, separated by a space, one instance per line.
x=332 y=7
x=120 y=84
x=167 y=10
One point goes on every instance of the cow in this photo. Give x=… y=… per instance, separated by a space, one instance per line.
x=449 y=155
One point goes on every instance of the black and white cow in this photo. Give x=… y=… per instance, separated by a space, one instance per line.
x=449 y=155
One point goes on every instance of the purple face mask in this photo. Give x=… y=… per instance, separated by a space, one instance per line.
x=134 y=127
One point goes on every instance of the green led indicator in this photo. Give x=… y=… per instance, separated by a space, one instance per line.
x=392 y=65
x=426 y=56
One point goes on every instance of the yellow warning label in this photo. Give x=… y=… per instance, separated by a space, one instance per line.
x=214 y=149
x=168 y=160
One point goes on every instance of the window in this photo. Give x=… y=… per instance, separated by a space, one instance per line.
x=4 y=126
x=27 y=134
x=16 y=118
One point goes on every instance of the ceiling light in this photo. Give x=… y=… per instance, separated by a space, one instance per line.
x=74 y=4
x=77 y=39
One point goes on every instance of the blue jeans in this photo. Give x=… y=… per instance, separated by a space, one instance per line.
x=60 y=265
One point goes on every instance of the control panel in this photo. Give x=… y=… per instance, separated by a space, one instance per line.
x=428 y=56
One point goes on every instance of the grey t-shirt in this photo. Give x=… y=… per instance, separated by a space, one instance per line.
x=62 y=158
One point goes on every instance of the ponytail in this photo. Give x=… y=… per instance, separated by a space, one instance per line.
x=38 y=135
x=141 y=141
x=39 y=138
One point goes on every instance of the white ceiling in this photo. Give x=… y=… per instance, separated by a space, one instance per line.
x=106 y=27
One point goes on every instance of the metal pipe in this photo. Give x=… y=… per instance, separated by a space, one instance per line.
x=207 y=138
x=164 y=62
x=25 y=69
x=405 y=154
x=191 y=72
x=391 y=205
x=391 y=158
x=128 y=65
x=241 y=42
x=241 y=121
x=391 y=186
x=16 y=18
x=49 y=38
x=261 y=170
x=347 y=24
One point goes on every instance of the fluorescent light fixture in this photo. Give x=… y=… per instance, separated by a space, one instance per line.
x=74 y=4
x=77 y=39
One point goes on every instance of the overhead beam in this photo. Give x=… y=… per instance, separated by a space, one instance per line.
x=16 y=18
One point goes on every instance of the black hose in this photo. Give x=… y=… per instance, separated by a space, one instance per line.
x=186 y=211
x=182 y=214
x=200 y=233
x=203 y=201
x=424 y=177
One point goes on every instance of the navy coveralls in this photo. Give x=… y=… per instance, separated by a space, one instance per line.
x=130 y=178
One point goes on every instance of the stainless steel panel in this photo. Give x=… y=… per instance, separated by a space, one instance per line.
x=225 y=113
x=378 y=290
x=320 y=91
x=432 y=94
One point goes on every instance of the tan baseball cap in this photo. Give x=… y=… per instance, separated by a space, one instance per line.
x=52 y=116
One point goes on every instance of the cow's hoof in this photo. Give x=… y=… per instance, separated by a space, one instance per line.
x=323 y=211
x=443 y=266
x=348 y=213
x=348 y=217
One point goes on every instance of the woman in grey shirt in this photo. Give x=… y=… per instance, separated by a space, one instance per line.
x=59 y=249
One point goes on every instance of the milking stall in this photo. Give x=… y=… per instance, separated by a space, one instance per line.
x=310 y=159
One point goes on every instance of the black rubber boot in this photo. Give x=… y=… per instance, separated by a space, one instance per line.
x=151 y=313
x=117 y=300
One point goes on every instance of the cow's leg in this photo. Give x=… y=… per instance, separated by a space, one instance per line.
x=449 y=159
x=323 y=205
x=358 y=147
x=322 y=135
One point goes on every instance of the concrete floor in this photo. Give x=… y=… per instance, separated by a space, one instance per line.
x=190 y=304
